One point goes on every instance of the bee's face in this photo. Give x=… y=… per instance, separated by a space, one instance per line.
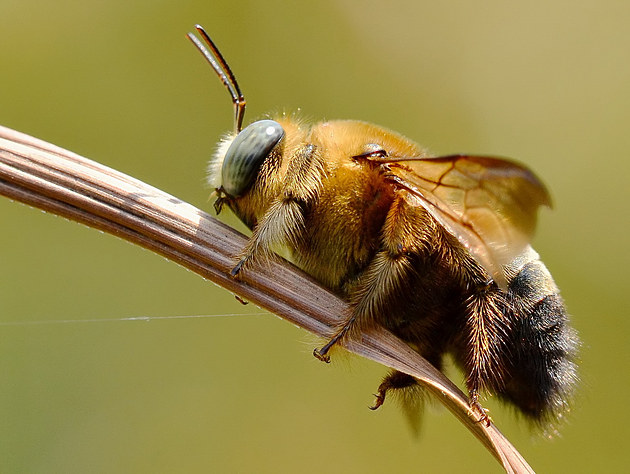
x=248 y=167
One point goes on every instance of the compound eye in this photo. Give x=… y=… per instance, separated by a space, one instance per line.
x=246 y=155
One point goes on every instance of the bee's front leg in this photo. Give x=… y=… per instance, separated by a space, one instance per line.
x=283 y=223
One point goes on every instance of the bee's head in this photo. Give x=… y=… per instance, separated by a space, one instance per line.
x=237 y=162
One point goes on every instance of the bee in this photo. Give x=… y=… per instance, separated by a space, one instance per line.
x=434 y=249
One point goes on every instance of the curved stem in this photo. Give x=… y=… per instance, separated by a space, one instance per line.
x=56 y=180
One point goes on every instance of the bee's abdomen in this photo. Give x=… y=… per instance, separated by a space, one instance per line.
x=542 y=372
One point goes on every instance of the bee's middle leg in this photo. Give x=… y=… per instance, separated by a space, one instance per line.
x=322 y=354
x=370 y=298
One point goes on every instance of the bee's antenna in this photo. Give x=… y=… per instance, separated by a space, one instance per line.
x=220 y=66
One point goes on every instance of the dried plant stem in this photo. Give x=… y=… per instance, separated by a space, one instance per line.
x=53 y=179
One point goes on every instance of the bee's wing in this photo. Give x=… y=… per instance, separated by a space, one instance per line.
x=488 y=204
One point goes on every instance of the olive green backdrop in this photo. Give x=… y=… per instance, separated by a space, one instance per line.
x=546 y=83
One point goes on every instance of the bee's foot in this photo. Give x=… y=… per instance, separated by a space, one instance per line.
x=241 y=300
x=237 y=269
x=380 y=399
x=321 y=355
x=483 y=413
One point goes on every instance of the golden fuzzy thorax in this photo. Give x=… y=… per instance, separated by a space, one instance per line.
x=334 y=244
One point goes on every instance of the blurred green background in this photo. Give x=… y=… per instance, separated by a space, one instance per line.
x=547 y=83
